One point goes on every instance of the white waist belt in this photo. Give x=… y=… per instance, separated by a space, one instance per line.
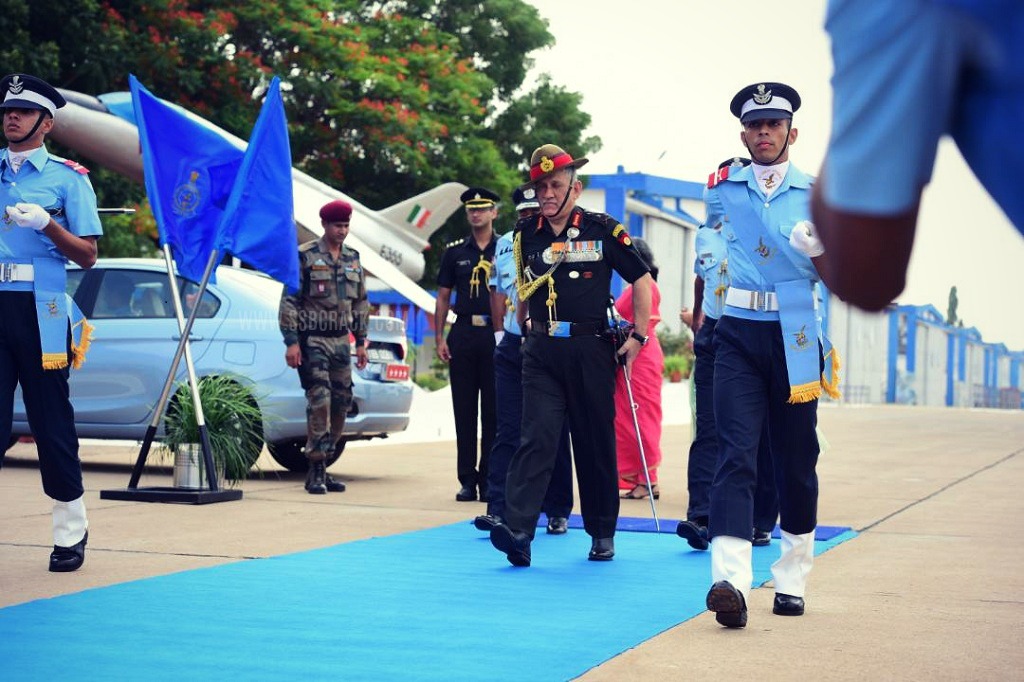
x=17 y=272
x=764 y=301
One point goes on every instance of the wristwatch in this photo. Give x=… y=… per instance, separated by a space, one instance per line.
x=638 y=337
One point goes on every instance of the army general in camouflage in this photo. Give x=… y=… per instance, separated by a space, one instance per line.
x=316 y=323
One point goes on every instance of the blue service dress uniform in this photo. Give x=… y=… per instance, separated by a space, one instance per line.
x=569 y=366
x=36 y=337
x=768 y=364
x=465 y=269
x=712 y=266
x=508 y=374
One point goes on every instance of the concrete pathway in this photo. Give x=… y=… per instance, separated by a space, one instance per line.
x=933 y=588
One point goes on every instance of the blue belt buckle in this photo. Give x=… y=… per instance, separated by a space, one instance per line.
x=559 y=328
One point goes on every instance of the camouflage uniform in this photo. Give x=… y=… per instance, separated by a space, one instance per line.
x=330 y=303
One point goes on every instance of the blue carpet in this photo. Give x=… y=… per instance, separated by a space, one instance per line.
x=646 y=525
x=434 y=604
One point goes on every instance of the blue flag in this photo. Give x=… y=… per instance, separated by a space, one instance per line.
x=190 y=171
x=258 y=225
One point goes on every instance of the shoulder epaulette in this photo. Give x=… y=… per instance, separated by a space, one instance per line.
x=350 y=250
x=307 y=246
x=718 y=176
x=75 y=166
x=601 y=218
x=454 y=243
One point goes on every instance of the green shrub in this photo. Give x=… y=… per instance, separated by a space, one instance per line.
x=676 y=344
x=430 y=382
x=678 y=363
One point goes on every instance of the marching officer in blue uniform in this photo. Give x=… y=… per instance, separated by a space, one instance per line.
x=508 y=385
x=564 y=261
x=710 y=284
x=768 y=356
x=469 y=347
x=49 y=217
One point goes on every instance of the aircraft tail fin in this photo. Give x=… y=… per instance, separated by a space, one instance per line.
x=423 y=214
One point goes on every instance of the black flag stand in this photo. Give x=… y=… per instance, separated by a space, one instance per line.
x=178 y=494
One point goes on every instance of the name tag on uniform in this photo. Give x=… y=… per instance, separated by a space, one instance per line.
x=586 y=251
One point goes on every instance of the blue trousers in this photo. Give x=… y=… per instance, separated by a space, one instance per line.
x=508 y=383
x=46 y=396
x=751 y=387
x=704 y=449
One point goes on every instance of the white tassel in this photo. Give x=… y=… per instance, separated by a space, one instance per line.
x=791 y=570
x=731 y=560
x=69 y=522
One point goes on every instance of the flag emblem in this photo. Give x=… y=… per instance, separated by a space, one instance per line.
x=418 y=217
x=187 y=197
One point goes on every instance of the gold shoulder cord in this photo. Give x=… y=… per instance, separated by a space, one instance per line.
x=484 y=268
x=527 y=289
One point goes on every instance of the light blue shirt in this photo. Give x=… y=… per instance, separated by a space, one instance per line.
x=780 y=212
x=46 y=179
x=712 y=266
x=908 y=72
x=503 y=279
x=65 y=193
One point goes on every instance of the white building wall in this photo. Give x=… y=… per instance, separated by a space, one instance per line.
x=672 y=246
x=861 y=339
x=932 y=351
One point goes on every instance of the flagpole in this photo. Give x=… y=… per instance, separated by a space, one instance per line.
x=184 y=348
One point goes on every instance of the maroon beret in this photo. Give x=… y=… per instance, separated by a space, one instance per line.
x=337 y=211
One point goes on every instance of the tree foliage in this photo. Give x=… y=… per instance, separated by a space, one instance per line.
x=384 y=99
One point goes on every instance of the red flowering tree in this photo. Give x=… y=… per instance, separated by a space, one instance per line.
x=384 y=99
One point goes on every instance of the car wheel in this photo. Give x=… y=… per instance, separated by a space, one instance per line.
x=291 y=454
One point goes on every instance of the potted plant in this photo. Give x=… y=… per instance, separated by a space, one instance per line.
x=233 y=424
x=678 y=367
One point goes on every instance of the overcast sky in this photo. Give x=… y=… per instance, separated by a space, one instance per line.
x=657 y=77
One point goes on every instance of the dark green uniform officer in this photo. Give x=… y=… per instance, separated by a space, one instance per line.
x=316 y=323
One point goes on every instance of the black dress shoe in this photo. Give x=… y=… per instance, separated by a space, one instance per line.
x=695 y=534
x=514 y=544
x=761 y=538
x=557 y=525
x=333 y=485
x=64 y=559
x=602 y=549
x=788 y=605
x=486 y=522
x=467 y=493
x=728 y=604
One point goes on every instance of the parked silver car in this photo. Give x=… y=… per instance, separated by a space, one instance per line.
x=235 y=334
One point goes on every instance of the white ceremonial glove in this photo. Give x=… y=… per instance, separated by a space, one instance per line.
x=804 y=238
x=29 y=215
x=498 y=336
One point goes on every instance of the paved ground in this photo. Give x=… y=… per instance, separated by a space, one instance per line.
x=933 y=588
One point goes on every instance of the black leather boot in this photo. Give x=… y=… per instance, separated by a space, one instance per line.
x=333 y=485
x=316 y=483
